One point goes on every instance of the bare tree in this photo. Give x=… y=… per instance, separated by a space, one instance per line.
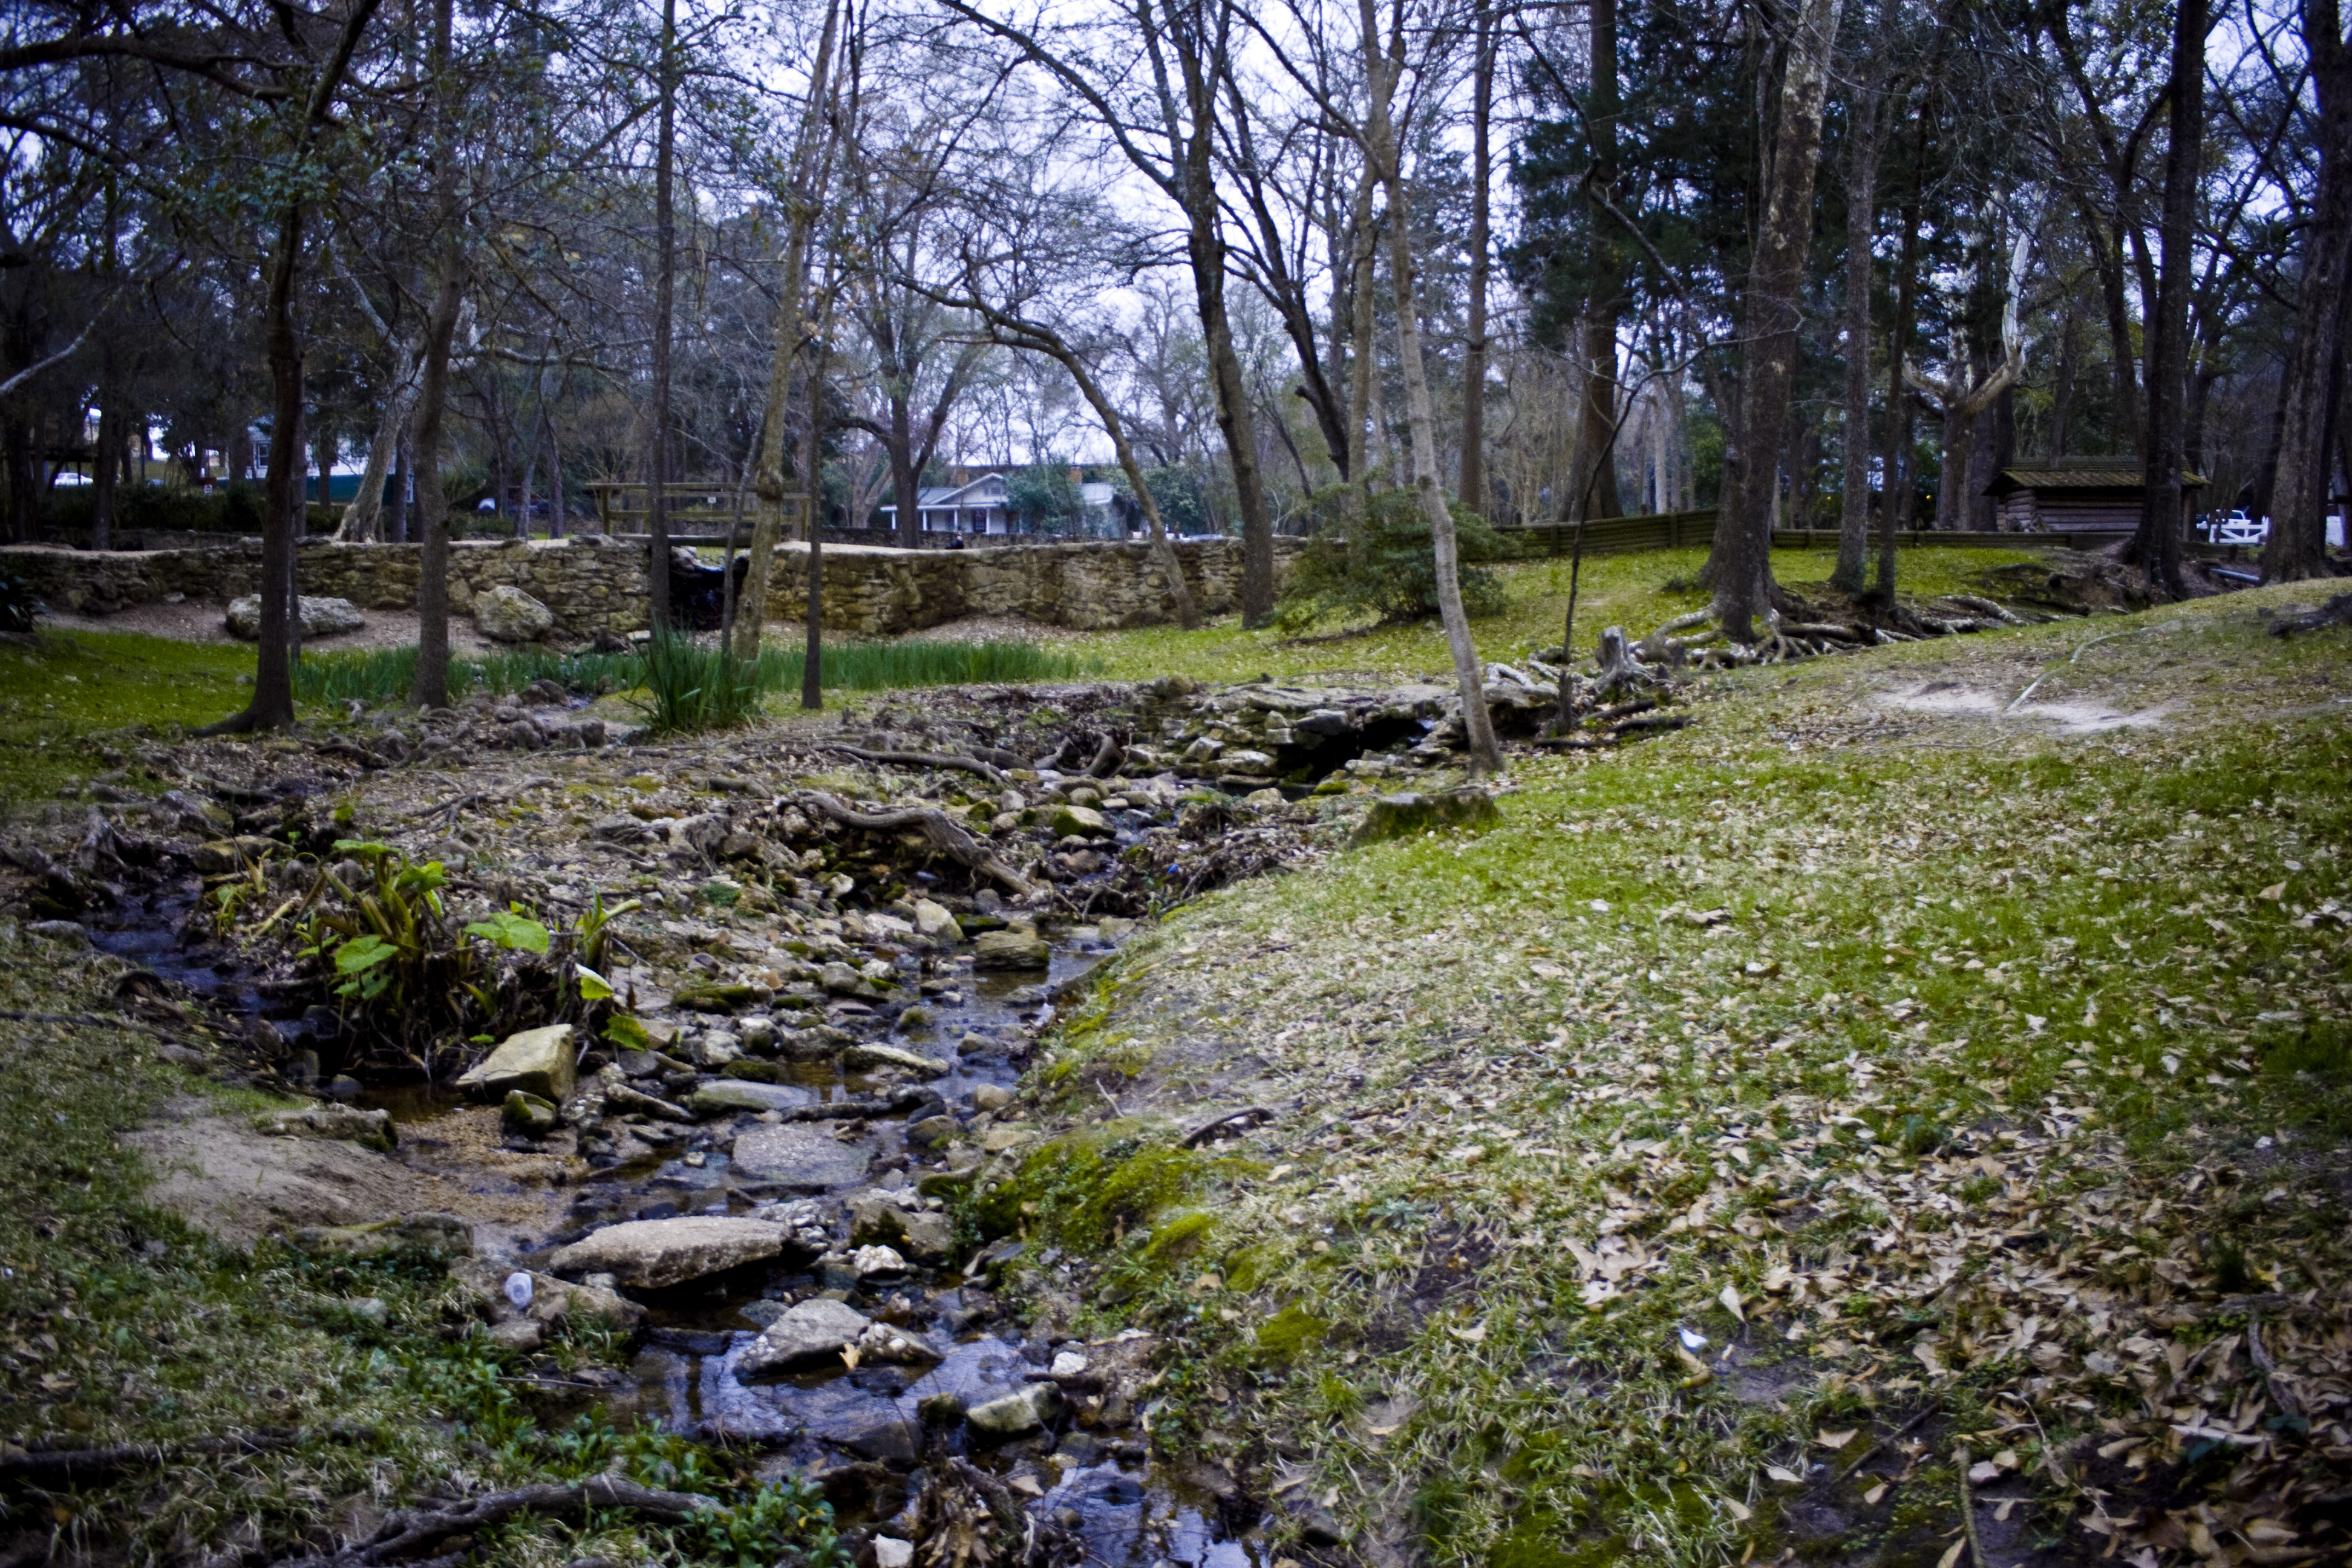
x=1741 y=565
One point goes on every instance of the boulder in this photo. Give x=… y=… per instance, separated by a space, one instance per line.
x=536 y=1061
x=441 y=1234
x=1079 y=822
x=1015 y=1414
x=321 y=618
x=1011 y=950
x=935 y=922
x=816 y=1329
x=919 y=1235
x=1402 y=815
x=800 y=1156
x=507 y=614
x=371 y=1129
x=650 y=1253
x=728 y=1096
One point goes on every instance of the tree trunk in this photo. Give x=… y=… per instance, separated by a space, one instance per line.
x=431 y=689
x=2062 y=391
x=1744 y=584
x=1593 y=481
x=106 y=482
x=1206 y=248
x=1861 y=232
x=404 y=478
x=2298 y=503
x=362 y=519
x=768 y=532
x=2125 y=357
x=1363 y=370
x=813 y=661
x=1473 y=350
x=1381 y=152
x=1894 y=483
x=664 y=290
x=2156 y=548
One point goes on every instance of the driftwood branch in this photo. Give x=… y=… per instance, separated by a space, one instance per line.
x=943 y=834
x=924 y=759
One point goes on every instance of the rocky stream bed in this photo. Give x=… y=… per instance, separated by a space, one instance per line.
x=821 y=954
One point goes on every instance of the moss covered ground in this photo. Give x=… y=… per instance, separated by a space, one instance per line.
x=1698 y=1166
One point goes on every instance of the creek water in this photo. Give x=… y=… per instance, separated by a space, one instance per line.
x=858 y=1429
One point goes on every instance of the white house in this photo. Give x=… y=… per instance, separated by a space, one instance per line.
x=977 y=503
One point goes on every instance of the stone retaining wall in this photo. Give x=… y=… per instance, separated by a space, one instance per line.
x=593 y=583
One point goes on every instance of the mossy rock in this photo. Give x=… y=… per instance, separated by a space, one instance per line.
x=1411 y=813
x=714 y=998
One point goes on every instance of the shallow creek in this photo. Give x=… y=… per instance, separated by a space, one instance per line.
x=859 y=1430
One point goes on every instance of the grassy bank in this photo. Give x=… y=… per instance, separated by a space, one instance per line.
x=1836 y=1081
x=359 y=1385
x=1630 y=591
x=55 y=697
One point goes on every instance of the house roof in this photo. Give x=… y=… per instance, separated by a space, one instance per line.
x=2011 y=479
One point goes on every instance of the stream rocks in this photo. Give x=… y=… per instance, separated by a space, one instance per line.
x=536 y=1061
x=1015 y=1414
x=653 y=1254
x=804 y=1157
x=814 y=1330
x=1011 y=950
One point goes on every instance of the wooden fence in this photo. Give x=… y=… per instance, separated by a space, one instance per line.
x=1696 y=529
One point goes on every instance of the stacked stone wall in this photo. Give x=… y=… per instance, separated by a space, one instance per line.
x=592 y=583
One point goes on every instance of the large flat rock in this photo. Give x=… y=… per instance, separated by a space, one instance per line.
x=806 y=1158
x=536 y=1061
x=816 y=1329
x=649 y=1254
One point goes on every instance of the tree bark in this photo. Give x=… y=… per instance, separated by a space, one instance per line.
x=431 y=689
x=2156 y=548
x=106 y=482
x=664 y=291
x=272 y=707
x=1744 y=584
x=768 y=532
x=1473 y=350
x=362 y=519
x=2296 y=549
x=812 y=664
x=1861 y=234
x=1380 y=151
x=1896 y=480
x=1592 y=483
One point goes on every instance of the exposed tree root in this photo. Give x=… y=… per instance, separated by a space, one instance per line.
x=2336 y=612
x=936 y=826
x=966 y=1518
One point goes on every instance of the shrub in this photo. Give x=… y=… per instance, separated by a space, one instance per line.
x=19 y=606
x=1384 y=563
x=691 y=685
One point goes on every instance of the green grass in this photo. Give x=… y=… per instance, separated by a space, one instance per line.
x=1995 y=995
x=77 y=685
x=386 y=675
x=1613 y=590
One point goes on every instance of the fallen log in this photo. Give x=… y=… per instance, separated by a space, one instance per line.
x=942 y=833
